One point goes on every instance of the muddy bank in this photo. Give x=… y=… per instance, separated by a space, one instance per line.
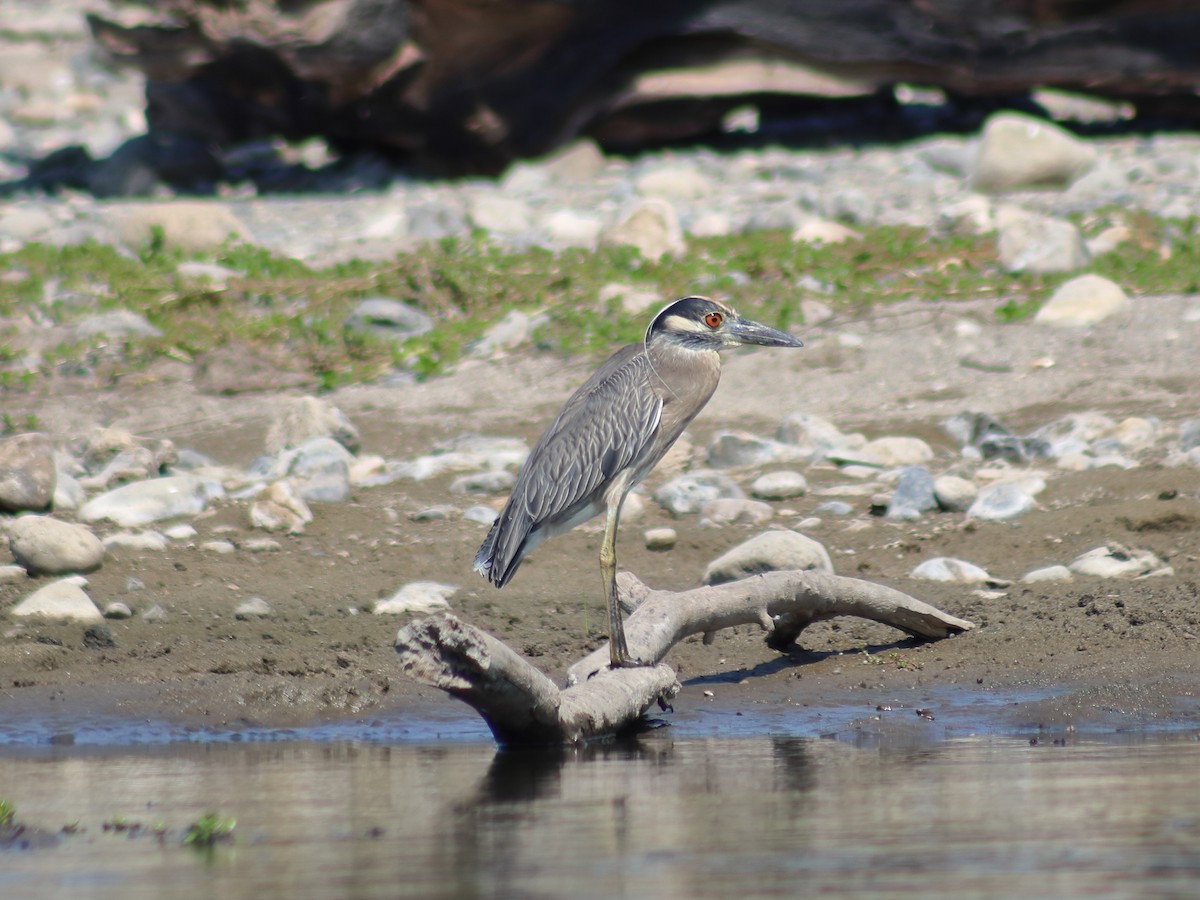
x=1102 y=651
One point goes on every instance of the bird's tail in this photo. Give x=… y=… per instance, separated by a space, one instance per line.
x=487 y=552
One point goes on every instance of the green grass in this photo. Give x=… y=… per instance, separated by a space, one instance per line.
x=208 y=830
x=285 y=307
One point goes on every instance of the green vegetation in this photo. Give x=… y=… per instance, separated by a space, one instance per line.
x=208 y=830
x=281 y=308
x=7 y=812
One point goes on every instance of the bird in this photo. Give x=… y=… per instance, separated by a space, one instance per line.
x=611 y=433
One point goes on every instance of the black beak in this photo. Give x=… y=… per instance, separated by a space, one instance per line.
x=745 y=331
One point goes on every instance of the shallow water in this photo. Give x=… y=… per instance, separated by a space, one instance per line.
x=674 y=812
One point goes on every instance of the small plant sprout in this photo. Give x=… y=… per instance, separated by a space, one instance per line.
x=208 y=830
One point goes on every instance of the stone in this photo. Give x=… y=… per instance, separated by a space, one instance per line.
x=736 y=449
x=47 y=546
x=483 y=515
x=98 y=637
x=578 y=162
x=489 y=481
x=320 y=470
x=194 y=226
x=913 y=494
x=768 y=552
x=512 y=331
x=117 y=610
x=1030 y=242
x=1083 y=301
x=660 y=538
x=279 y=507
x=817 y=434
x=651 y=227
x=686 y=493
x=1020 y=152
x=143 y=502
x=417 y=597
x=781 y=485
x=630 y=298
x=1047 y=573
x=954 y=494
x=155 y=614
x=219 y=547
x=301 y=419
x=64 y=599
x=735 y=511
x=948 y=569
x=387 y=319
x=674 y=182
x=568 y=228
x=1004 y=500
x=1117 y=561
x=1074 y=432
x=28 y=474
x=116 y=323
x=253 y=608
x=898 y=451
x=499 y=214
x=822 y=231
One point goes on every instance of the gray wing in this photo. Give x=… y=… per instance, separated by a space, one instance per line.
x=605 y=426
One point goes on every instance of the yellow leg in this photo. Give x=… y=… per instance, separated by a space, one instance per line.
x=618 y=650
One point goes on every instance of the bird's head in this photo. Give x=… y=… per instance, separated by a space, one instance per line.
x=699 y=323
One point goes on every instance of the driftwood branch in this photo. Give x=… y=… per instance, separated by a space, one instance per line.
x=522 y=705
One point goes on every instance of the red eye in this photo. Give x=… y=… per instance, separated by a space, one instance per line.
x=713 y=319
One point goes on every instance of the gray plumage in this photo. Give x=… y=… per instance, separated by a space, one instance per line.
x=612 y=432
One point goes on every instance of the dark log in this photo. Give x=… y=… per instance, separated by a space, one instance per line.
x=522 y=705
x=469 y=85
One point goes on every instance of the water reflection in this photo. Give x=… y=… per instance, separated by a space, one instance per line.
x=650 y=816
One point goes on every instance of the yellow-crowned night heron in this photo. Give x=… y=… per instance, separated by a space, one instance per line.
x=611 y=433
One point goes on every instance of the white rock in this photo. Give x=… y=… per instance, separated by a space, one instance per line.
x=512 y=331
x=499 y=214
x=221 y=548
x=1047 y=573
x=319 y=468
x=484 y=515
x=822 y=231
x=1116 y=561
x=782 y=485
x=568 y=228
x=1029 y=242
x=117 y=610
x=660 y=538
x=149 y=501
x=674 y=182
x=151 y=541
x=192 y=225
x=417 y=596
x=1018 y=151
x=768 y=552
x=47 y=546
x=181 y=532
x=63 y=599
x=9 y=574
x=253 y=608
x=735 y=511
x=959 y=571
x=1003 y=500
x=1083 y=301
x=954 y=494
x=651 y=227
x=687 y=493
x=280 y=508
x=898 y=451
x=304 y=418
x=713 y=223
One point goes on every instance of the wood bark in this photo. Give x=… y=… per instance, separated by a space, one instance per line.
x=469 y=85
x=522 y=705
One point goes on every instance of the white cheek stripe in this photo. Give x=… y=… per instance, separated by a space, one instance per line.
x=679 y=323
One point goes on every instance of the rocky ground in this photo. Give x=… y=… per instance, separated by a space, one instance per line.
x=1095 y=438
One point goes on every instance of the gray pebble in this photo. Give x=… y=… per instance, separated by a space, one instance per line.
x=781 y=485
x=686 y=493
x=913 y=495
x=253 y=608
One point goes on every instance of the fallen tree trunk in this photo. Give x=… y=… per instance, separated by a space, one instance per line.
x=470 y=86
x=521 y=705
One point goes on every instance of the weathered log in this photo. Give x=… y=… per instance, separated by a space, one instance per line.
x=473 y=85
x=522 y=705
